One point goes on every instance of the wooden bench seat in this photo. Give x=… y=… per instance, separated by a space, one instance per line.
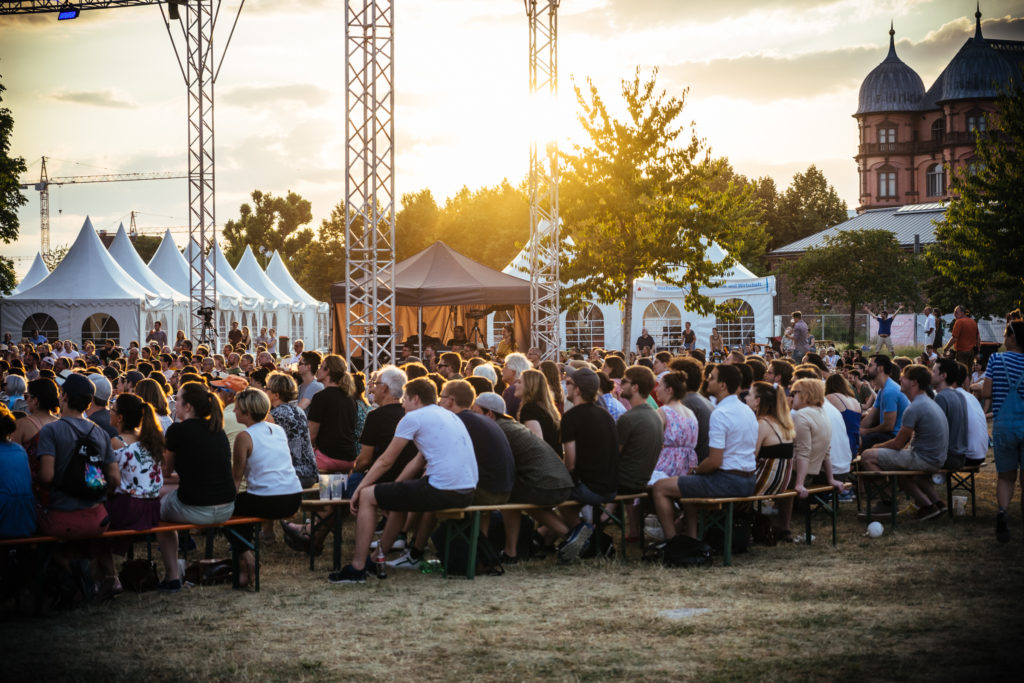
x=253 y=545
x=875 y=483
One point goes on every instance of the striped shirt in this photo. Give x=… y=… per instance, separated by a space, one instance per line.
x=1004 y=369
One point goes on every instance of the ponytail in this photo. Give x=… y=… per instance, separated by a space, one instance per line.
x=205 y=404
x=138 y=414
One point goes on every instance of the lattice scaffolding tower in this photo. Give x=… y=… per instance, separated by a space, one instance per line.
x=545 y=332
x=369 y=181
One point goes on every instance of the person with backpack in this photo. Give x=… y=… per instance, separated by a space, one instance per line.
x=76 y=460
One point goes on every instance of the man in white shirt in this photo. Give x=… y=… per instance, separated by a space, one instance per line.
x=977 y=425
x=930 y=323
x=445 y=453
x=730 y=466
x=298 y=347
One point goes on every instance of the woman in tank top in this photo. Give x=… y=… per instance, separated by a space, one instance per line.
x=775 y=435
x=839 y=393
x=43 y=399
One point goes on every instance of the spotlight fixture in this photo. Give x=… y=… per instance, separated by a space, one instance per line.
x=67 y=12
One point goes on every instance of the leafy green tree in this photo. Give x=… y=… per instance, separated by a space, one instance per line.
x=146 y=245
x=857 y=268
x=321 y=263
x=637 y=201
x=274 y=223
x=11 y=198
x=55 y=255
x=809 y=205
x=979 y=253
x=417 y=224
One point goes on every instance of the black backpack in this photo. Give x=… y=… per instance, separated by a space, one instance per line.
x=83 y=477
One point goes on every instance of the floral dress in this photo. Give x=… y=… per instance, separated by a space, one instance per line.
x=141 y=476
x=678 y=454
x=296 y=427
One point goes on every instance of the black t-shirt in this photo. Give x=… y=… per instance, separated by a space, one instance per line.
x=533 y=411
x=689 y=336
x=379 y=430
x=494 y=461
x=202 y=460
x=645 y=340
x=597 y=446
x=335 y=413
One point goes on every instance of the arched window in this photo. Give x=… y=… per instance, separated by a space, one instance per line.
x=936 y=180
x=584 y=329
x=298 y=326
x=100 y=327
x=938 y=130
x=663 y=322
x=738 y=329
x=46 y=325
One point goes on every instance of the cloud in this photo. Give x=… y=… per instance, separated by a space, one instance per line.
x=258 y=96
x=97 y=98
x=628 y=15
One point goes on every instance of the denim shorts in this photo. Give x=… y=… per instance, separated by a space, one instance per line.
x=1008 y=446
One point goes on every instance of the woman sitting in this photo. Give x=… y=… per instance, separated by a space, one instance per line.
x=678 y=455
x=537 y=409
x=17 y=504
x=197 y=449
x=840 y=394
x=151 y=392
x=43 y=400
x=283 y=392
x=775 y=433
x=261 y=457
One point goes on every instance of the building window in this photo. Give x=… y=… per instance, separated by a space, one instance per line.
x=976 y=122
x=584 y=329
x=938 y=130
x=936 y=181
x=887 y=139
x=100 y=327
x=887 y=184
x=46 y=325
x=665 y=324
x=975 y=166
x=738 y=329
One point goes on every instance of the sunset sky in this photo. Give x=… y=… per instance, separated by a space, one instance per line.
x=773 y=84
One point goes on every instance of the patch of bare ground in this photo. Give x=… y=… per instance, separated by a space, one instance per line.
x=938 y=600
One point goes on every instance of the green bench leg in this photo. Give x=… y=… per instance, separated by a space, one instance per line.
x=727 y=536
x=458 y=528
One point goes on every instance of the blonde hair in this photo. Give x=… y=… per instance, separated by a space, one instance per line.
x=536 y=390
x=773 y=406
x=812 y=391
x=283 y=385
x=253 y=403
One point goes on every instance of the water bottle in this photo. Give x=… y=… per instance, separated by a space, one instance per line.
x=430 y=566
x=380 y=560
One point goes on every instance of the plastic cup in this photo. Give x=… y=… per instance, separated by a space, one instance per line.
x=960 y=506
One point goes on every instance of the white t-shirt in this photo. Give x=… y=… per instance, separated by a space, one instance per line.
x=839 y=449
x=977 y=426
x=929 y=324
x=733 y=428
x=445 y=444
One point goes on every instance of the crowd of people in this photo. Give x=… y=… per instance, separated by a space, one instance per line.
x=125 y=438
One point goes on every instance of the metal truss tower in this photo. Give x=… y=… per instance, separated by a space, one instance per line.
x=369 y=181
x=199 y=73
x=545 y=332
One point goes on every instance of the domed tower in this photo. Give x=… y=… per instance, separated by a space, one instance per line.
x=888 y=105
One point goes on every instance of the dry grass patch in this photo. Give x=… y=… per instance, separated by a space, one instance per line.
x=934 y=601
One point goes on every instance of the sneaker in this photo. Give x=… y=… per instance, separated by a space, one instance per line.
x=1002 y=528
x=929 y=512
x=847 y=496
x=166 y=586
x=507 y=559
x=348 y=574
x=406 y=561
x=909 y=510
x=399 y=543
x=576 y=543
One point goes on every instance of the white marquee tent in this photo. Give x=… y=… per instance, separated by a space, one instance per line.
x=269 y=311
x=34 y=276
x=248 y=269
x=88 y=296
x=315 y=319
x=660 y=308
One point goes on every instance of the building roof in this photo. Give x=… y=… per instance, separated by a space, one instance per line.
x=977 y=71
x=905 y=222
x=891 y=86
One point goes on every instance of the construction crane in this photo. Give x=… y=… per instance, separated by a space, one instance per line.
x=44 y=192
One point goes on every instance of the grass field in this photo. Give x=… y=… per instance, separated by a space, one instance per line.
x=938 y=600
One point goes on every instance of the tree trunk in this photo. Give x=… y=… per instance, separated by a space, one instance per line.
x=853 y=322
x=627 y=318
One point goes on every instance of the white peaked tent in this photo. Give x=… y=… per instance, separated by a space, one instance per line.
x=660 y=308
x=123 y=251
x=35 y=274
x=315 y=318
x=269 y=312
x=87 y=296
x=231 y=303
x=248 y=269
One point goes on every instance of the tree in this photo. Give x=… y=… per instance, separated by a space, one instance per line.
x=274 y=224
x=636 y=201
x=146 y=245
x=808 y=206
x=417 y=224
x=856 y=267
x=55 y=255
x=321 y=263
x=980 y=245
x=11 y=198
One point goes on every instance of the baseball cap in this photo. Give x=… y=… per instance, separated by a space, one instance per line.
x=585 y=379
x=492 y=402
x=232 y=383
x=103 y=388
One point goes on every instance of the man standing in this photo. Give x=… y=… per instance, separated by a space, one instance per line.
x=929 y=327
x=964 y=338
x=689 y=338
x=265 y=339
x=644 y=341
x=801 y=337
x=886 y=416
x=234 y=334
x=884 y=329
x=729 y=469
x=945 y=373
x=157 y=334
x=926 y=431
x=446 y=453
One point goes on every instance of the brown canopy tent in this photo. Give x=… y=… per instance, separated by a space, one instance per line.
x=442 y=288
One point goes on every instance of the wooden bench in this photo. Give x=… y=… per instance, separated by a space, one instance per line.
x=467 y=524
x=253 y=545
x=875 y=482
x=719 y=513
x=340 y=506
